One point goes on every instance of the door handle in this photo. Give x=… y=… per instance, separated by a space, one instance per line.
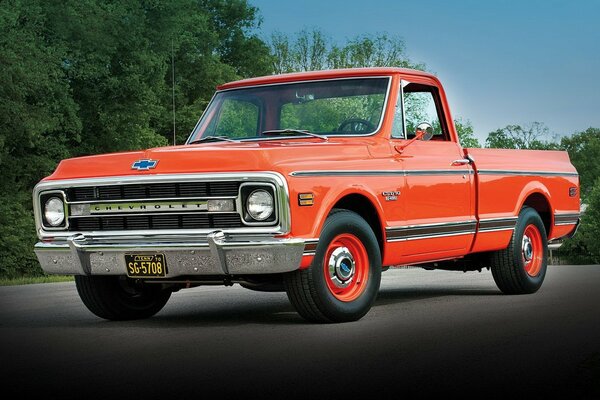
x=461 y=161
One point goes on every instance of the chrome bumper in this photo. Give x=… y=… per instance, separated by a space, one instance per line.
x=218 y=255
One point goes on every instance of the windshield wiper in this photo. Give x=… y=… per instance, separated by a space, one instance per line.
x=300 y=131
x=212 y=138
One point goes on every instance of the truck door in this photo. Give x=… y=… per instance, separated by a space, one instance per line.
x=439 y=218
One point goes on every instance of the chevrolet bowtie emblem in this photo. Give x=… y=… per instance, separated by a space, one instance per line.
x=144 y=165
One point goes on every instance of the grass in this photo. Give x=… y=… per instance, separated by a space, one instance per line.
x=26 y=280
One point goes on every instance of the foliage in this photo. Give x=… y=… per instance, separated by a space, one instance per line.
x=311 y=50
x=89 y=76
x=584 y=151
x=584 y=247
x=534 y=136
x=465 y=132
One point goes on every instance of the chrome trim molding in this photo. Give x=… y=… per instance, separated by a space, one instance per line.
x=524 y=173
x=428 y=231
x=566 y=219
x=497 y=224
x=432 y=172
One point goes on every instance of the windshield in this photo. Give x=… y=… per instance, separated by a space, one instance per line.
x=329 y=107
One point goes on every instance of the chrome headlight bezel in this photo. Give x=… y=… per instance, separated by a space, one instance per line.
x=53 y=202
x=247 y=190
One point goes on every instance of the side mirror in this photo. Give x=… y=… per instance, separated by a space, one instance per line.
x=424 y=131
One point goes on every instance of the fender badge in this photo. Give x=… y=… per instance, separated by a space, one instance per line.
x=144 y=165
x=391 y=196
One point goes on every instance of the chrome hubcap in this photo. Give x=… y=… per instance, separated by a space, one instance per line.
x=341 y=267
x=527 y=248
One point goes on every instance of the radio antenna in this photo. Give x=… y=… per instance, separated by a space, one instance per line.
x=173 y=87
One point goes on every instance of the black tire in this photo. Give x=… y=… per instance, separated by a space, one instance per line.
x=120 y=298
x=511 y=271
x=310 y=290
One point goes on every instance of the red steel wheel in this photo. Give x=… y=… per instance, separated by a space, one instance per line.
x=521 y=267
x=346 y=267
x=343 y=280
x=532 y=250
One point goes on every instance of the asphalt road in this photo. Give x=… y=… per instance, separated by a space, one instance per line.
x=430 y=333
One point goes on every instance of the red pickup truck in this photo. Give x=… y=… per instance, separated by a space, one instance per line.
x=313 y=183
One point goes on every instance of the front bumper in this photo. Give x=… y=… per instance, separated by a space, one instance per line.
x=217 y=255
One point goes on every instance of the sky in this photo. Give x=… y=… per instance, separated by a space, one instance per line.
x=501 y=62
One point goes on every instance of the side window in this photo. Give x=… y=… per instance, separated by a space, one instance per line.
x=422 y=105
x=237 y=119
x=398 y=123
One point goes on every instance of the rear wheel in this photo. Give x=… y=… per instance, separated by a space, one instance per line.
x=343 y=281
x=120 y=298
x=521 y=267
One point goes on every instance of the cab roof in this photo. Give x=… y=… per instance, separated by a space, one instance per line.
x=325 y=74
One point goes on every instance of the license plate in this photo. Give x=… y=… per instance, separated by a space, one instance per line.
x=146 y=265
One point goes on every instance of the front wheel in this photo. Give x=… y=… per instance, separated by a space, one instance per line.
x=343 y=281
x=521 y=268
x=120 y=298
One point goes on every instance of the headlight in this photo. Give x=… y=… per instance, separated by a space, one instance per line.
x=260 y=205
x=54 y=211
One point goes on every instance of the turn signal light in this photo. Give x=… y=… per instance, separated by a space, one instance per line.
x=306 y=199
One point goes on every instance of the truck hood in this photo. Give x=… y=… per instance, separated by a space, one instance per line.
x=277 y=155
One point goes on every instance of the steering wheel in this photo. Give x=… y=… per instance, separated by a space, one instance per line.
x=356 y=125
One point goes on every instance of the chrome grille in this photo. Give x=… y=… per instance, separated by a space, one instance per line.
x=134 y=204
x=163 y=192
x=153 y=191
x=141 y=222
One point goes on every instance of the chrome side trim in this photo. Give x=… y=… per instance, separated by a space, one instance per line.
x=434 y=172
x=274 y=178
x=566 y=219
x=428 y=231
x=524 y=173
x=427 y=172
x=345 y=173
x=497 y=224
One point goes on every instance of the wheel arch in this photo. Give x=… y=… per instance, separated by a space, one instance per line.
x=538 y=198
x=364 y=205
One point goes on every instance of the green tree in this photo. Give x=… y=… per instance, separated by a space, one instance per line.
x=92 y=76
x=311 y=50
x=465 y=132
x=584 y=247
x=38 y=125
x=584 y=151
x=534 y=136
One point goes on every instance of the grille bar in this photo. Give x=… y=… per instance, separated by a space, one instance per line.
x=141 y=222
x=153 y=191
